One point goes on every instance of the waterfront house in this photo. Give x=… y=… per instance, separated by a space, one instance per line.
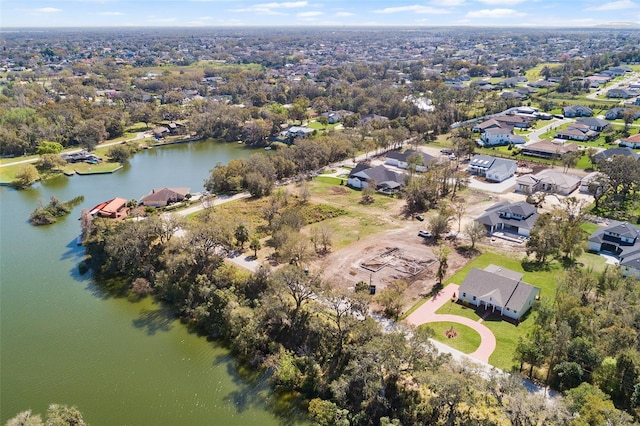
x=116 y=208
x=162 y=197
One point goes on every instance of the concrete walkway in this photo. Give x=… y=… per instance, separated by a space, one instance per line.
x=427 y=313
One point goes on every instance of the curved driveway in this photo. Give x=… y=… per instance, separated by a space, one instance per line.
x=426 y=314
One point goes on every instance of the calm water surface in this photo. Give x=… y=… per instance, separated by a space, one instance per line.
x=63 y=340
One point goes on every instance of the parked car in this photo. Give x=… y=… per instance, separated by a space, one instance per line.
x=420 y=217
x=446 y=151
x=424 y=234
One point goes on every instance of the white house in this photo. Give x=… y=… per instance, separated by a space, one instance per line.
x=494 y=169
x=498 y=136
x=517 y=218
x=499 y=290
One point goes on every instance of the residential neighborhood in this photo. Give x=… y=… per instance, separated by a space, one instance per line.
x=429 y=225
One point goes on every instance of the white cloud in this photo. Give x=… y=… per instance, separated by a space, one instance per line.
x=309 y=14
x=615 y=5
x=268 y=7
x=495 y=13
x=413 y=9
x=501 y=2
x=46 y=10
x=448 y=3
x=110 y=13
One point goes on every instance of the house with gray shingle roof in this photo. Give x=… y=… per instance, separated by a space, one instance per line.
x=517 y=218
x=548 y=180
x=577 y=111
x=386 y=180
x=594 y=123
x=609 y=153
x=499 y=290
x=621 y=239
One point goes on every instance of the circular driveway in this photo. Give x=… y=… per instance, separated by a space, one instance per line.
x=426 y=314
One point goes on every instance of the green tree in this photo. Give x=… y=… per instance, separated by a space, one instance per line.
x=242 y=235
x=119 y=153
x=544 y=239
x=50 y=162
x=442 y=256
x=49 y=148
x=475 y=231
x=391 y=298
x=255 y=245
x=25 y=176
x=89 y=133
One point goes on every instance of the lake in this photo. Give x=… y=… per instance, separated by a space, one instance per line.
x=63 y=340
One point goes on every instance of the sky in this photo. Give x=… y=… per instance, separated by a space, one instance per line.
x=308 y=13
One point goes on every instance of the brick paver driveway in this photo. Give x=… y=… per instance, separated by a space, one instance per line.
x=426 y=313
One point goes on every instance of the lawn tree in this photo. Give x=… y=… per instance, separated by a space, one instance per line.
x=242 y=235
x=119 y=153
x=545 y=239
x=255 y=245
x=598 y=188
x=442 y=256
x=569 y=217
x=570 y=159
x=475 y=231
x=50 y=162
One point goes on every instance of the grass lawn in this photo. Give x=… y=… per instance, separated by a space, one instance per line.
x=104 y=167
x=507 y=334
x=593 y=261
x=351 y=221
x=319 y=126
x=589 y=227
x=466 y=341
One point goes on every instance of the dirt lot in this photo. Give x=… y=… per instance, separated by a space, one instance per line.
x=402 y=254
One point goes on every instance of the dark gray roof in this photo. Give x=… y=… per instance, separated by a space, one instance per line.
x=593 y=121
x=504 y=291
x=482 y=161
x=608 y=153
x=503 y=212
x=402 y=156
x=381 y=175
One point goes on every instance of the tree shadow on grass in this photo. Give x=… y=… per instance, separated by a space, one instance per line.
x=535 y=266
x=154 y=321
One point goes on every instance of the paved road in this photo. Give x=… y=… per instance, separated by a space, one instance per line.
x=140 y=135
x=534 y=136
x=615 y=85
